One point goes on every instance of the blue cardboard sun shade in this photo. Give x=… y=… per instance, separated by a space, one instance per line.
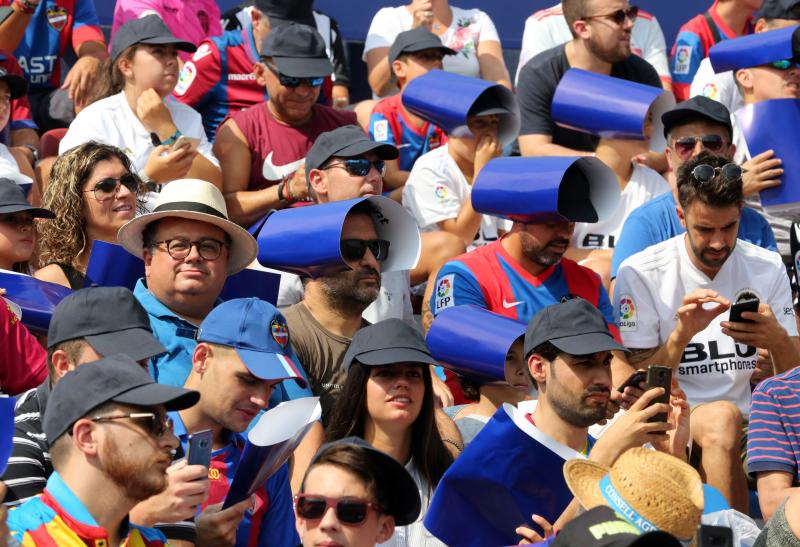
x=754 y=49
x=35 y=299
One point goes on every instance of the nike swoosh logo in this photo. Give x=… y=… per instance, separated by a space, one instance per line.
x=508 y=305
x=279 y=172
x=203 y=51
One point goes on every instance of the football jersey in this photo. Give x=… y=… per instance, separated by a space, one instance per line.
x=490 y=278
x=21 y=117
x=55 y=26
x=547 y=28
x=719 y=87
x=389 y=123
x=650 y=288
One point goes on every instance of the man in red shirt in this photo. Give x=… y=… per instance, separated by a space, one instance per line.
x=262 y=149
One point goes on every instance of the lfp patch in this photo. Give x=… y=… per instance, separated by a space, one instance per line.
x=683 y=55
x=186 y=77
x=440 y=191
x=627 y=313
x=280 y=333
x=444 y=296
x=380 y=129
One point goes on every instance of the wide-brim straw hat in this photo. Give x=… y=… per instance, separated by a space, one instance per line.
x=660 y=487
x=192 y=199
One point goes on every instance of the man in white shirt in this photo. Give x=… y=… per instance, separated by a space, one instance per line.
x=668 y=301
x=547 y=28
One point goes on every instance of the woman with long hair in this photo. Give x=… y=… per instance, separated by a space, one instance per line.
x=388 y=401
x=92 y=192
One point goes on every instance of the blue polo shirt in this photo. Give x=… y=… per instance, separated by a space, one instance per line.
x=178 y=336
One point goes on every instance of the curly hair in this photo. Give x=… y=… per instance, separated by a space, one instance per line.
x=63 y=239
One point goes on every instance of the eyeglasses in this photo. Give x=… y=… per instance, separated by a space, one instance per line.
x=783 y=64
x=179 y=248
x=354 y=249
x=684 y=146
x=704 y=172
x=291 y=81
x=109 y=187
x=360 y=167
x=618 y=16
x=348 y=511
x=157 y=425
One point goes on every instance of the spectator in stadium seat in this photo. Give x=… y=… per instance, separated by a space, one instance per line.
x=468 y=32
x=725 y=19
x=668 y=301
x=142 y=73
x=601 y=31
x=41 y=35
x=17 y=232
x=547 y=28
x=92 y=192
x=14 y=162
x=263 y=148
x=21 y=133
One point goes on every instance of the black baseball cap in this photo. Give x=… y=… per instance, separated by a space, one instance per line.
x=394 y=478
x=490 y=102
x=386 y=343
x=347 y=141
x=414 y=40
x=12 y=200
x=281 y=12
x=150 y=29
x=110 y=319
x=297 y=50
x=575 y=327
x=117 y=379
x=779 y=9
x=602 y=527
x=697 y=107
x=17 y=85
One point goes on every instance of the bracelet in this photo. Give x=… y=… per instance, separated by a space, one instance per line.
x=172 y=138
x=288 y=186
x=26 y=6
x=282 y=199
x=459 y=446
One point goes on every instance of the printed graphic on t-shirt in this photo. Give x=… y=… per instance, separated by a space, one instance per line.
x=443 y=293
x=683 y=57
x=627 y=313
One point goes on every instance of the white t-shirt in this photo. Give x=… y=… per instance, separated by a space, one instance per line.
x=468 y=28
x=436 y=190
x=9 y=169
x=547 y=29
x=645 y=184
x=650 y=288
x=720 y=87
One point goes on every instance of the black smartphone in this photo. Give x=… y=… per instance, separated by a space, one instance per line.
x=714 y=536
x=658 y=376
x=742 y=306
x=634 y=380
x=154 y=139
x=199 y=452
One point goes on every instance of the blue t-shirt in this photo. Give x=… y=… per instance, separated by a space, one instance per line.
x=657 y=221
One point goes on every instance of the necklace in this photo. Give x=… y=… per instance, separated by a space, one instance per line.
x=437 y=26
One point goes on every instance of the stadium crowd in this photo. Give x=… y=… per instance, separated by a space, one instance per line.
x=558 y=308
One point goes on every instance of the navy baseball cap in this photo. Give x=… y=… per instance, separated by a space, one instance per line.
x=17 y=85
x=348 y=141
x=297 y=50
x=12 y=200
x=385 y=343
x=418 y=39
x=694 y=108
x=258 y=333
x=149 y=29
x=779 y=9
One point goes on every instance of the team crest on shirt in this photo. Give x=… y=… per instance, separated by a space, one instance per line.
x=683 y=55
x=440 y=192
x=627 y=313
x=710 y=90
x=57 y=17
x=280 y=333
x=381 y=130
x=187 y=76
x=443 y=293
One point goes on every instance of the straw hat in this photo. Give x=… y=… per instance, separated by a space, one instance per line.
x=659 y=487
x=192 y=199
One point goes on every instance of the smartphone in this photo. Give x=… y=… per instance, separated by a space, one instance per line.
x=658 y=376
x=742 y=306
x=714 y=536
x=185 y=141
x=634 y=380
x=199 y=452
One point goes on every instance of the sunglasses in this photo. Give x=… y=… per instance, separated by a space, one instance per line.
x=354 y=249
x=619 y=16
x=783 y=64
x=360 y=167
x=685 y=145
x=704 y=172
x=291 y=81
x=109 y=187
x=350 y=512
x=157 y=425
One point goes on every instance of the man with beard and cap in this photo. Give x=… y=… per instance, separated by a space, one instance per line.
x=111 y=444
x=669 y=300
x=601 y=43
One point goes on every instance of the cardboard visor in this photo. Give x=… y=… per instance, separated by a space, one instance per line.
x=755 y=49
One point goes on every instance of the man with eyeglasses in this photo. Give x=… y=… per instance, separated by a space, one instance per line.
x=111 y=444
x=601 y=43
x=671 y=301
x=263 y=147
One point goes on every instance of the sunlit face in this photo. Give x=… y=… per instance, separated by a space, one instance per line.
x=605 y=38
x=153 y=66
x=700 y=127
x=337 y=184
x=763 y=83
x=17 y=238
x=710 y=233
x=544 y=243
x=395 y=394
x=103 y=219
x=414 y=65
x=291 y=104
x=516 y=369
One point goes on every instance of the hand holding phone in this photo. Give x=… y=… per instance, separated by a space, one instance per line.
x=199 y=450
x=750 y=304
x=634 y=380
x=659 y=376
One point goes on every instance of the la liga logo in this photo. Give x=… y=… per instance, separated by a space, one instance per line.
x=627 y=312
x=443 y=289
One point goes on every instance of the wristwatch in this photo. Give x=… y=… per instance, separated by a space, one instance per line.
x=34 y=152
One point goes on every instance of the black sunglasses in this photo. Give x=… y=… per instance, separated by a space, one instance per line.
x=360 y=167
x=705 y=172
x=618 y=16
x=354 y=249
x=291 y=81
x=350 y=512
x=108 y=187
x=684 y=146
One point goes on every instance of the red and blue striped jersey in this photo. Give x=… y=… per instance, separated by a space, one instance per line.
x=270 y=523
x=54 y=26
x=57 y=518
x=490 y=278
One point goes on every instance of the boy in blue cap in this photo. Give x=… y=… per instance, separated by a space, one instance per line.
x=242 y=354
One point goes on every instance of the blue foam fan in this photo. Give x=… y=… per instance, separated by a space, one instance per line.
x=754 y=49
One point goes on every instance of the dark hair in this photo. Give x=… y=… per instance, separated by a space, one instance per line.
x=470 y=388
x=717 y=192
x=59 y=449
x=73 y=348
x=548 y=352
x=150 y=229
x=113 y=81
x=427 y=448
x=573 y=11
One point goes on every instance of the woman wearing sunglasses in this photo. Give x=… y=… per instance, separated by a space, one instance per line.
x=388 y=401
x=92 y=192
x=353 y=495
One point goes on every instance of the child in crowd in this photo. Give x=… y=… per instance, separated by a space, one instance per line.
x=17 y=232
x=13 y=165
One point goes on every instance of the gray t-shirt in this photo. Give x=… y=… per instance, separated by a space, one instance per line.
x=777 y=532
